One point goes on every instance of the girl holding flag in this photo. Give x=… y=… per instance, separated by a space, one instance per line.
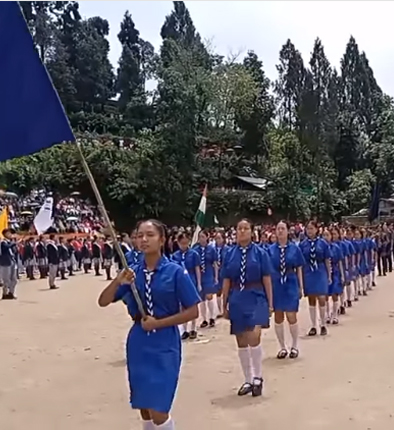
x=153 y=347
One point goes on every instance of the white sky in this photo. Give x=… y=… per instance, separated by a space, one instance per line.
x=264 y=26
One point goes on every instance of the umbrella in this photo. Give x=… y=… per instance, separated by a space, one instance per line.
x=26 y=213
x=9 y=194
x=75 y=193
x=72 y=218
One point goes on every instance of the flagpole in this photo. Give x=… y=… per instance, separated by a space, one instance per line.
x=109 y=226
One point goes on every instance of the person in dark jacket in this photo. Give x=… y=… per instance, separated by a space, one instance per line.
x=108 y=254
x=8 y=264
x=28 y=258
x=53 y=261
x=96 y=256
x=42 y=261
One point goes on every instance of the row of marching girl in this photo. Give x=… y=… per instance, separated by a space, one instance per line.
x=153 y=347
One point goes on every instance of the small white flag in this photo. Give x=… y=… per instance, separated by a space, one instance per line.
x=43 y=219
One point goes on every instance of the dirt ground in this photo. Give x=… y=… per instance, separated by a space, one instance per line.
x=62 y=368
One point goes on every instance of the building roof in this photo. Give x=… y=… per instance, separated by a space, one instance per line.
x=255 y=182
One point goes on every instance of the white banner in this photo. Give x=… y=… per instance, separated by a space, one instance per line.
x=43 y=219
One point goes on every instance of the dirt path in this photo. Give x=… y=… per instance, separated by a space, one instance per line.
x=62 y=368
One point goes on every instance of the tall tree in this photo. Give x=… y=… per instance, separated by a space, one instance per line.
x=290 y=84
x=256 y=124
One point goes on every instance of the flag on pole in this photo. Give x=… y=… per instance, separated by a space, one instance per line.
x=32 y=117
x=199 y=218
x=44 y=218
x=3 y=221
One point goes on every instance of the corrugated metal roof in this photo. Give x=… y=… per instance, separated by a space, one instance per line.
x=256 y=182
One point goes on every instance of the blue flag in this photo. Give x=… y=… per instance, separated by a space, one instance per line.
x=31 y=114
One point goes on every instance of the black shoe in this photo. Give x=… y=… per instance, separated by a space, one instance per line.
x=356 y=299
x=257 y=388
x=193 y=335
x=12 y=297
x=374 y=284
x=342 y=310
x=204 y=324
x=212 y=323
x=312 y=332
x=185 y=335
x=7 y=296
x=54 y=287
x=323 y=331
x=365 y=293
x=246 y=389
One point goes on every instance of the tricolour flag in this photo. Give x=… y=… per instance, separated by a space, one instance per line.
x=199 y=218
x=3 y=221
x=32 y=117
x=44 y=218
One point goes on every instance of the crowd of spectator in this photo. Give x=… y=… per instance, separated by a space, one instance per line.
x=71 y=214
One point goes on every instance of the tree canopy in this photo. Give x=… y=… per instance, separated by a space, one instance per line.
x=320 y=136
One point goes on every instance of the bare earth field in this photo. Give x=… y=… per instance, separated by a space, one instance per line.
x=62 y=368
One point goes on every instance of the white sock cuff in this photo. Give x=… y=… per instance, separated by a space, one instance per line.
x=168 y=425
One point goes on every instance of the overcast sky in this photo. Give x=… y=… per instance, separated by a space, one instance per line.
x=264 y=26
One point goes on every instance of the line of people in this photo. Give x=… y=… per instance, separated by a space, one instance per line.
x=252 y=281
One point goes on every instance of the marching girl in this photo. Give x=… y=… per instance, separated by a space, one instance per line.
x=317 y=275
x=369 y=246
x=373 y=256
x=209 y=278
x=134 y=255
x=247 y=303
x=338 y=239
x=272 y=239
x=351 y=271
x=86 y=256
x=189 y=259
x=363 y=267
x=153 y=347
x=357 y=259
x=287 y=285
x=221 y=250
x=335 y=288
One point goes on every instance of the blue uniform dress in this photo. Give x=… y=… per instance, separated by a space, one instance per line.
x=221 y=252
x=189 y=260
x=351 y=275
x=336 y=286
x=372 y=257
x=345 y=261
x=315 y=253
x=368 y=254
x=154 y=358
x=285 y=261
x=363 y=257
x=134 y=257
x=357 y=251
x=247 y=301
x=207 y=259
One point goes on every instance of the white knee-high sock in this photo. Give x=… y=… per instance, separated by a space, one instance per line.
x=322 y=313
x=168 y=425
x=335 y=309
x=203 y=310
x=148 y=425
x=193 y=325
x=256 y=353
x=294 y=335
x=246 y=363
x=355 y=283
x=328 y=308
x=280 y=334
x=211 y=309
x=220 y=305
x=349 y=292
x=185 y=327
x=312 y=314
x=373 y=275
x=342 y=299
x=364 y=283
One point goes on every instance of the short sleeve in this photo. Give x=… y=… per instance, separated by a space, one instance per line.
x=121 y=292
x=196 y=259
x=225 y=265
x=265 y=261
x=299 y=260
x=340 y=254
x=326 y=250
x=186 y=292
x=214 y=255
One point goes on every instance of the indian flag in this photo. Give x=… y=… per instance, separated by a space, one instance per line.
x=199 y=218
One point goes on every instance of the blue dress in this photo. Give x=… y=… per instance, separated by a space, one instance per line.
x=284 y=279
x=336 y=286
x=134 y=257
x=351 y=275
x=357 y=251
x=221 y=252
x=154 y=358
x=248 y=306
x=207 y=259
x=363 y=257
x=315 y=272
x=189 y=260
x=373 y=248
